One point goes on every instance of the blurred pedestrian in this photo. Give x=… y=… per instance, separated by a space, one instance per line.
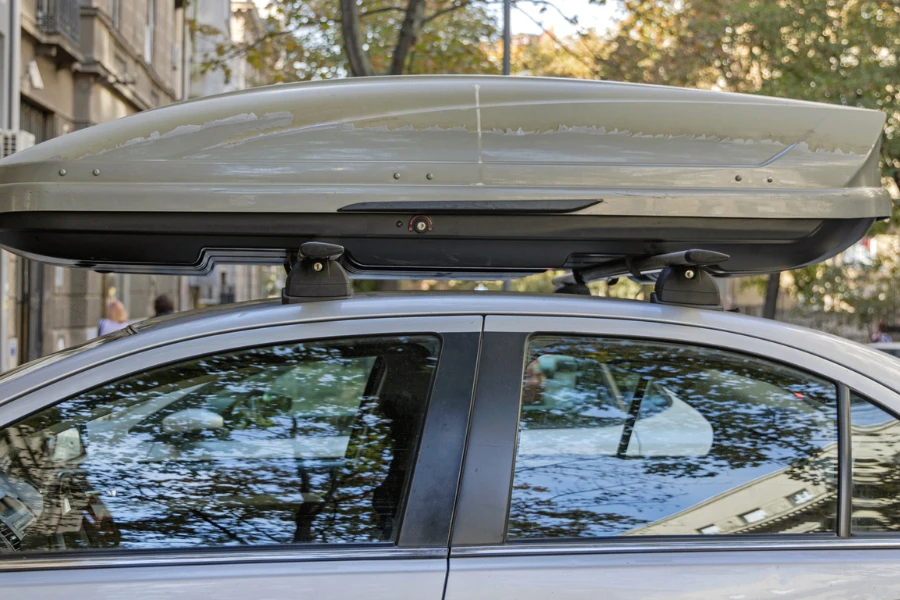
x=880 y=334
x=116 y=318
x=163 y=305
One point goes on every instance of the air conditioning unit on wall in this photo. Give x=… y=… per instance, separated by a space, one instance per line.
x=14 y=141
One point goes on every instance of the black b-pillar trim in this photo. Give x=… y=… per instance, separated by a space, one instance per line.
x=435 y=479
x=483 y=506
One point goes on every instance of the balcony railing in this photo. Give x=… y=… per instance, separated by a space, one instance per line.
x=60 y=17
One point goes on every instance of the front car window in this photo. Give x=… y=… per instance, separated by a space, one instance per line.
x=295 y=443
x=627 y=438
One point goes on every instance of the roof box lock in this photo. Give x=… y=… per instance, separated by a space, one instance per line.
x=314 y=273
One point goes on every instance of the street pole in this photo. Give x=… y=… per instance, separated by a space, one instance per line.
x=507 y=70
x=507 y=36
x=187 y=54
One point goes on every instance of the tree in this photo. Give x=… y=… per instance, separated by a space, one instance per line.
x=821 y=50
x=325 y=39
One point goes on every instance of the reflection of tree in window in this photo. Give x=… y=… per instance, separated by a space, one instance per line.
x=296 y=443
x=689 y=434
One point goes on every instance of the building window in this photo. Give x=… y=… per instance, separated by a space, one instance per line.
x=150 y=35
x=36 y=120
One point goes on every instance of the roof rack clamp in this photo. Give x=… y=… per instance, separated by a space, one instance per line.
x=314 y=273
x=687 y=285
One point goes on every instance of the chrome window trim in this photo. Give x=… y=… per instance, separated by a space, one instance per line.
x=128 y=364
x=184 y=557
x=657 y=546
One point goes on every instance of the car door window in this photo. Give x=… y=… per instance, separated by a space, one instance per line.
x=296 y=443
x=875 y=442
x=622 y=437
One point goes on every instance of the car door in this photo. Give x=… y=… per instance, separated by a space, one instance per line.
x=612 y=458
x=317 y=459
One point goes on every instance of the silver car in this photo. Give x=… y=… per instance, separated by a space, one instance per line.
x=445 y=446
x=458 y=446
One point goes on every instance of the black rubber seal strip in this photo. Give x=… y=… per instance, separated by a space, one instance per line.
x=463 y=207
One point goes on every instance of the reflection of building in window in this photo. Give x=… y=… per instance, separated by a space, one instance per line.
x=876 y=473
x=791 y=500
x=757 y=506
x=755 y=516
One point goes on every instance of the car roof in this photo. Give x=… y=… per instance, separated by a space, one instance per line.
x=242 y=316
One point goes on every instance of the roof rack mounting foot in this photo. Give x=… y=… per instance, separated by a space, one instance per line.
x=687 y=285
x=683 y=277
x=314 y=273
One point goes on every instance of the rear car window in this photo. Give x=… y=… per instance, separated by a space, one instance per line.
x=636 y=438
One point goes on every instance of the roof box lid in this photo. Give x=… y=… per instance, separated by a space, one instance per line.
x=584 y=170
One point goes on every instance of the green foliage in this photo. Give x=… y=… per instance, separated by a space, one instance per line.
x=303 y=40
x=867 y=291
x=820 y=50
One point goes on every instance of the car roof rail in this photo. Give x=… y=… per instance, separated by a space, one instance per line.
x=681 y=278
x=314 y=273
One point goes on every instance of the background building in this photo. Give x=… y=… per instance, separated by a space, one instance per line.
x=70 y=64
x=214 y=23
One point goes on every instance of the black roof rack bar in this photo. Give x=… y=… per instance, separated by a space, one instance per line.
x=683 y=280
x=639 y=267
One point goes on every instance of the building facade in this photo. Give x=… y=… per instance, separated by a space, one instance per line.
x=216 y=23
x=83 y=62
x=70 y=64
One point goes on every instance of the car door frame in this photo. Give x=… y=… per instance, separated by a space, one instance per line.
x=479 y=527
x=423 y=539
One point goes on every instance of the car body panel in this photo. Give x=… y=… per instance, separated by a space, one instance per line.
x=259 y=577
x=679 y=575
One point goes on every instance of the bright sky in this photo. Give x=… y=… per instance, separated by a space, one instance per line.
x=590 y=16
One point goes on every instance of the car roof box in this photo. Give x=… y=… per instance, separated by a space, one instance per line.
x=451 y=176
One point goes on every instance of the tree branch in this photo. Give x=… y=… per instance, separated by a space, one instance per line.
x=235 y=50
x=444 y=11
x=360 y=65
x=375 y=11
x=409 y=33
